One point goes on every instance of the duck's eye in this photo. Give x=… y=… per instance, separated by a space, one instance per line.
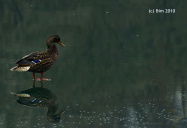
x=57 y=39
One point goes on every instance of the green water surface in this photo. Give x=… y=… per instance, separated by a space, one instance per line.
x=122 y=66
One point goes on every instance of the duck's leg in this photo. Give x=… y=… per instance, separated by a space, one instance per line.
x=44 y=79
x=33 y=84
x=41 y=83
x=41 y=77
x=34 y=77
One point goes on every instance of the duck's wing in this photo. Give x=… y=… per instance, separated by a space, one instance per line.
x=33 y=58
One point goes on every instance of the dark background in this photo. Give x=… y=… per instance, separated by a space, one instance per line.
x=122 y=66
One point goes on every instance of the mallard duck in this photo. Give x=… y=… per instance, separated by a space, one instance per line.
x=39 y=62
x=40 y=97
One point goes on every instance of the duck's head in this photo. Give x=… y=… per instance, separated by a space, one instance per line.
x=54 y=118
x=52 y=39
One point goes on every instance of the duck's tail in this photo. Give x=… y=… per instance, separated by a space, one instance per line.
x=20 y=69
x=20 y=95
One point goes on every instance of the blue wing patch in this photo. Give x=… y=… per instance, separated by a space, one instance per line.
x=36 y=101
x=36 y=61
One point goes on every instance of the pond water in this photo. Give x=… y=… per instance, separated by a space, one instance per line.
x=124 y=64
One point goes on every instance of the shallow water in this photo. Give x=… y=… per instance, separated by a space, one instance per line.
x=122 y=66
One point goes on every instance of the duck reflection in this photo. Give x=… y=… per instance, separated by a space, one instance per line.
x=40 y=97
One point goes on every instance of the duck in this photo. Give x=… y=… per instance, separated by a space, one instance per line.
x=40 y=62
x=40 y=97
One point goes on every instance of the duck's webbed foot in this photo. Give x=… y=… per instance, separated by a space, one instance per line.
x=41 y=78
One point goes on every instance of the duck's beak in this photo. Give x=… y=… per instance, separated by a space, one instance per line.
x=61 y=43
x=61 y=112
